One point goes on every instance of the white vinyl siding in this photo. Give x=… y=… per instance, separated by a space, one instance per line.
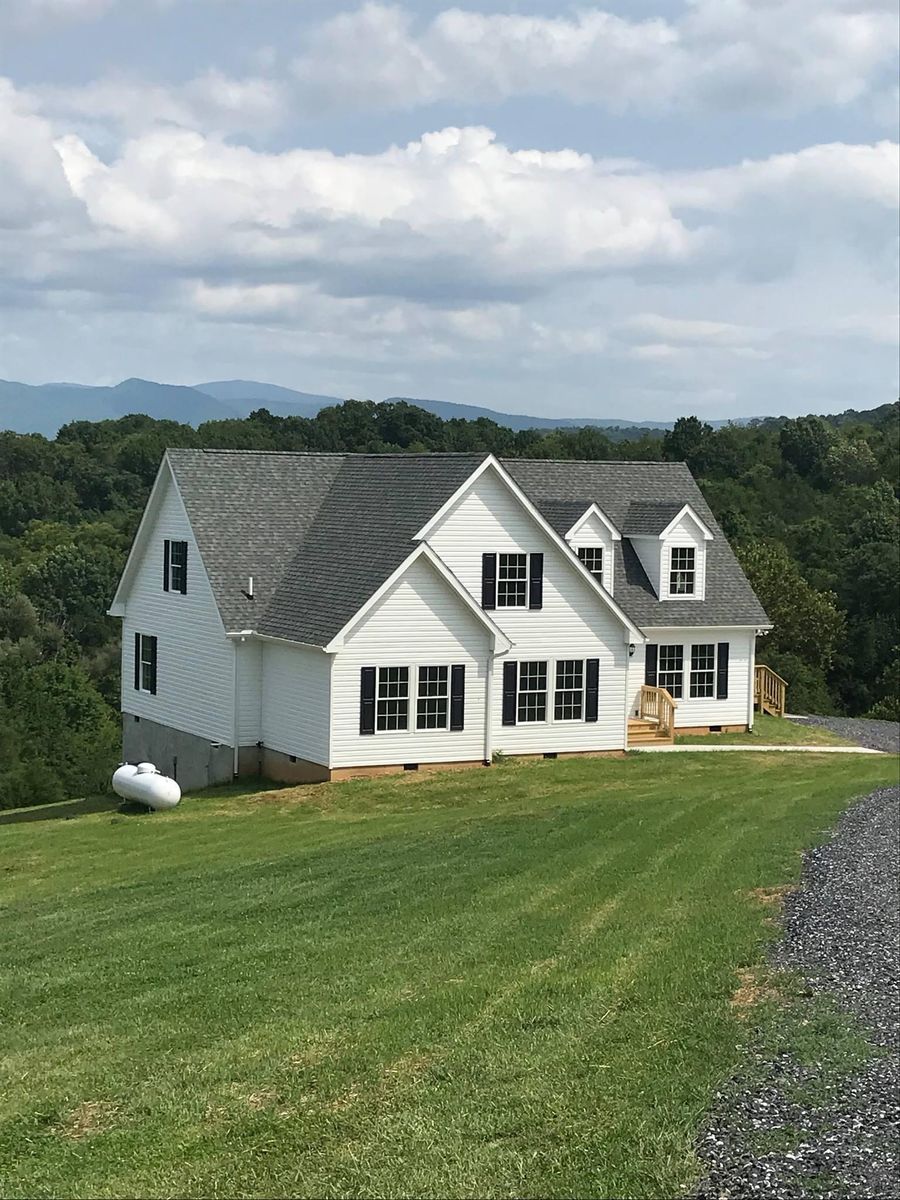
x=249 y=691
x=704 y=710
x=195 y=661
x=420 y=622
x=574 y=622
x=295 y=701
x=649 y=551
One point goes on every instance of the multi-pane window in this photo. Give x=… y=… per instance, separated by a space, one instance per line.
x=146 y=673
x=682 y=571
x=392 y=707
x=671 y=670
x=432 y=701
x=178 y=566
x=532 y=698
x=568 y=700
x=703 y=670
x=592 y=557
x=512 y=580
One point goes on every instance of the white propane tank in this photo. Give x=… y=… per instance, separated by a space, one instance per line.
x=144 y=784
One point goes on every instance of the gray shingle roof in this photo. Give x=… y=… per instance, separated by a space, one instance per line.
x=648 y=518
x=320 y=533
x=614 y=486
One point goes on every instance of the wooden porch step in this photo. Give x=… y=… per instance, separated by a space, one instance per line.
x=645 y=739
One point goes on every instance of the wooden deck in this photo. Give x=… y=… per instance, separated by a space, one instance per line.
x=655 y=723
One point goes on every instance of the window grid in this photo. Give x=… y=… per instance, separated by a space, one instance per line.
x=682 y=571
x=433 y=698
x=532 y=699
x=147 y=641
x=670 y=670
x=592 y=557
x=568 y=701
x=512 y=580
x=177 y=565
x=392 y=707
x=703 y=670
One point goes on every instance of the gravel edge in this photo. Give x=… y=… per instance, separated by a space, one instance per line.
x=787 y=1130
x=874 y=735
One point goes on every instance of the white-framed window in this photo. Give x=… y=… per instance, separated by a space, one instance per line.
x=703 y=670
x=532 y=694
x=568 y=697
x=592 y=557
x=512 y=580
x=433 y=698
x=145 y=663
x=682 y=571
x=392 y=702
x=670 y=671
x=175 y=566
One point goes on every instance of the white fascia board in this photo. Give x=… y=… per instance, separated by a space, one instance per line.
x=687 y=511
x=423 y=550
x=241 y=635
x=594 y=511
x=117 y=608
x=491 y=463
x=681 y=628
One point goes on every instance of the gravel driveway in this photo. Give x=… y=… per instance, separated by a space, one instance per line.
x=784 y=1128
x=875 y=735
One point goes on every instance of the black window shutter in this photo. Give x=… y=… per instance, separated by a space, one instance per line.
x=650 y=651
x=367 y=700
x=153 y=666
x=184 y=569
x=722 y=672
x=489 y=581
x=591 y=689
x=137 y=662
x=536 y=581
x=167 y=554
x=457 y=696
x=510 y=682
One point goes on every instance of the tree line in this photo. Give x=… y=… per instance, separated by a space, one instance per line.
x=810 y=506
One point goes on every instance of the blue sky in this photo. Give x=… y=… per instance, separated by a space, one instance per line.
x=622 y=210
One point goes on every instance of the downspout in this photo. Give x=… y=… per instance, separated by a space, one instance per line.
x=626 y=706
x=234 y=723
x=488 y=700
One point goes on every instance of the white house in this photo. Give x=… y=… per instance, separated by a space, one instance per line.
x=312 y=616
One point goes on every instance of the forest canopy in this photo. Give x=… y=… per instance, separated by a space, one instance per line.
x=810 y=506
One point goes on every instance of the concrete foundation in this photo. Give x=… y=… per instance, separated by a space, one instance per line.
x=288 y=768
x=701 y=729
x=193 y=761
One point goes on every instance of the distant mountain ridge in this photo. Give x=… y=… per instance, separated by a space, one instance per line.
x=43 y=408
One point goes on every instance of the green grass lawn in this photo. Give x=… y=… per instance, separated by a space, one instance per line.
x=512 y=982
x=769 y=731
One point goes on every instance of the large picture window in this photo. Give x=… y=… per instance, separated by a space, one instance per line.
x=532 y=696
x=671 y=670
x=392 y=707
x=512 y=580
x=682 y=572
x=433 y=698
x=703 y=670
x=568 y=699
x=592 y=557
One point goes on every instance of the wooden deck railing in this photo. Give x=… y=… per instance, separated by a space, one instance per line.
x=769 y=691
x=657 y=705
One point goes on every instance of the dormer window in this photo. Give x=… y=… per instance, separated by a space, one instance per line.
x=682 y=571
x=592 y=557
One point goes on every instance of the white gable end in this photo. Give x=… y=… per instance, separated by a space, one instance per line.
x=593 y=531
x=195 y=661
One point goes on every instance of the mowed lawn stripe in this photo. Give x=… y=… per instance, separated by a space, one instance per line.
x=513 y=982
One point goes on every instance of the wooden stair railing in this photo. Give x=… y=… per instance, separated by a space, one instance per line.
x=657 y=705
x=769 y=690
